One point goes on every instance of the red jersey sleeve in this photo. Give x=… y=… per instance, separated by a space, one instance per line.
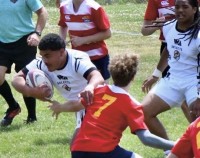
x=100 y=18
x=151 y=12
x=135 y=117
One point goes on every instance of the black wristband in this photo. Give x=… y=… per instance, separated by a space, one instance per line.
x=38 y=33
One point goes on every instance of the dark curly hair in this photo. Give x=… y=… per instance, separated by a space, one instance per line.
x=52 y=42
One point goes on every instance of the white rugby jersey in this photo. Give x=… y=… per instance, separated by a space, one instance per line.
x=183 y=58
x=70 y=80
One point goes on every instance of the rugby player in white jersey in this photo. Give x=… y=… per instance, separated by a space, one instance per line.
x=71 y=72
x=182 y=55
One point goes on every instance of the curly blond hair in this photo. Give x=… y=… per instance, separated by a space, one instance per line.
x=123 y=68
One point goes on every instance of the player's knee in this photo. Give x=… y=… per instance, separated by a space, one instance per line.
x=148 y=113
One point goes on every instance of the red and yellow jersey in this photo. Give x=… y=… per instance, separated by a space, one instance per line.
x=160 y=8
x=188 y=146
x=88 y=20
x=111 y=113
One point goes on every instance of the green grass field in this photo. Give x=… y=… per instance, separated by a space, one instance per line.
x=49 y=138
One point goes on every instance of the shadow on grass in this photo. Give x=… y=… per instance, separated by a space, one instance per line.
x=10 y=128
x=62 y=141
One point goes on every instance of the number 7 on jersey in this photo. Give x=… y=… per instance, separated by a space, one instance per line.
x=110 y=99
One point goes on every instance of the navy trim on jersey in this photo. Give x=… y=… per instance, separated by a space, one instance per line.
x=77 y=63
x=198 y=67
x=25 y=71
x=39 y=64
x=67 y=58
x=85 y=75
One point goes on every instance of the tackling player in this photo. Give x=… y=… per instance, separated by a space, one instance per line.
x=112 y=111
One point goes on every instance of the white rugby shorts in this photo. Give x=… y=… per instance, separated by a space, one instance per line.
x=174 y=91
x=79 y=118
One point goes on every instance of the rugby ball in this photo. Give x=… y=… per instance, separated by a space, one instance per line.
x=36 y=77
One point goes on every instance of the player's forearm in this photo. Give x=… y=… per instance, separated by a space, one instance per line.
x=95 y=78
x=69 y=106
x=148 y=31
x=63 y=32
x=42 y=18
x=152 y=140
x=158 y=142
x=163 y=62
x=98 y=37
x=145 y=30
x=19 y=84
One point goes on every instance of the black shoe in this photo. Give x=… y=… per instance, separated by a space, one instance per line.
x=30 y=120
x=10 y=114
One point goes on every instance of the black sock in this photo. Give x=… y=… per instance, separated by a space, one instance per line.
x=31 y=107
x=6 y=93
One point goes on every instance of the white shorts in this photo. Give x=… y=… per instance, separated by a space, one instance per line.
x=175 y=91
x=134 y=155
x=79 y=118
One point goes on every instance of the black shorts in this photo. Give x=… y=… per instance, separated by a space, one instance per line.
x=18 y=53
x=102 y=66
x=118 y=152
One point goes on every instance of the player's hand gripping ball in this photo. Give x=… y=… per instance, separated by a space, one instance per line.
x=36 y=77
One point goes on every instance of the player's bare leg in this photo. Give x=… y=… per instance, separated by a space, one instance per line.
x=194 y=109
x=186 y=111
x=2 y=74
x=153 y=106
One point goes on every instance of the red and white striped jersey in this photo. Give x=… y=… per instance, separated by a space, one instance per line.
x=160 y=8
x=88 y=20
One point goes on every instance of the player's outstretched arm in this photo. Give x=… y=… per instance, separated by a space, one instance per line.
x=69 y=106
x=34 y=39
x=162 y=64
x=146 y=30
x=94 y=79
x=149 y=139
